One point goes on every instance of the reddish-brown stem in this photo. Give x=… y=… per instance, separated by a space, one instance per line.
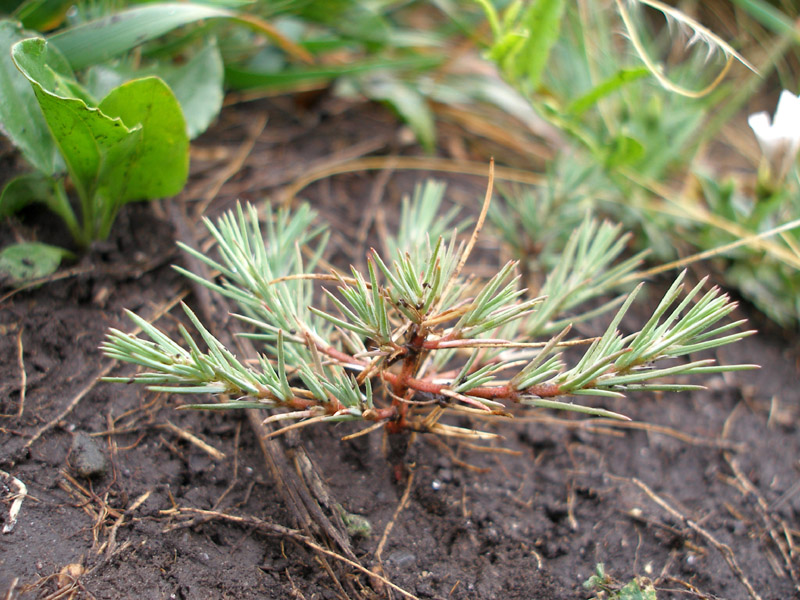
x=334 y=406
x=403 y=382
x=543 y=390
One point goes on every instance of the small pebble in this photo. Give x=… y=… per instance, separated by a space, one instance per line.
x=402 y=559
x=86 y=457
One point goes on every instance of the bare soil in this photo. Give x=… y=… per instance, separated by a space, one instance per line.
x=701 y=494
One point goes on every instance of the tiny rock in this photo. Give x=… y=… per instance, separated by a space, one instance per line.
x=86 y=457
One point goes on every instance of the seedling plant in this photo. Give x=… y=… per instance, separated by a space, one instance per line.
x=103 y=98
x=638 y=110
x=413 y=337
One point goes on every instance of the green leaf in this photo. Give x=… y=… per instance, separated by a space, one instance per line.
x=20 y=116
x=197 y=84
x=198 y=87
x=409 y=104
x=107 y=37
x=769 y=16
x=236 y=405
x=134 y=146
x=24 y=190
x=30 y=260
x=543 y=22
x=632 y=591
x=43 y=15
x=157 y=164
x=242 y=78
x=83 y=134
x=624 y=151
x=39 y=187
x=609 y=86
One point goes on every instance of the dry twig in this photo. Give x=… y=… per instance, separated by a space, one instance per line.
x=725 y=550
x=193 y=439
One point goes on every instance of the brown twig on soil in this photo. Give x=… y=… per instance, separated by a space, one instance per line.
x=86 y=499
x=11 y=593
x=235 y=474
x=406 y=163
x=111 y=544
x=601 y=426
x=695 y=591
x=295 y=535
x=234 y=166
x=771 y=523
x=104 y=370
x=373 y=211
x=23 y=377
x=301 y=488
x=79 y=270
x=727 y=554
x=442 y=446
x=193 y=439
x=325 y=565
x=390 y=525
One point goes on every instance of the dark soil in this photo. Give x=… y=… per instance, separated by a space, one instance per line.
x=701 y=497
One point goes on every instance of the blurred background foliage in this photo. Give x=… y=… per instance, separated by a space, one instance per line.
x=632 y=110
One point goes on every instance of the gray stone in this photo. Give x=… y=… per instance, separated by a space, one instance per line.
x=86 y=457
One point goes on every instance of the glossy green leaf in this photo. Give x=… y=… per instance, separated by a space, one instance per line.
x=158 y=163
x=83 y=134
x=134 y=146
x=21 y=118
x=197 y=84
x=30 y=260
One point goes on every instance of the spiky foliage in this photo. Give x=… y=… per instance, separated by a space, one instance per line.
x=412 y=337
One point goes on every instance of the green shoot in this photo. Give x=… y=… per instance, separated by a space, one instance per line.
x=373 y=355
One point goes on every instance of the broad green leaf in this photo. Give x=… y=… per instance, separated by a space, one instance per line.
x=243 y=78
x=198 y=87
x=107 y=37
x=197 y=84
x=30 y=260
x=543 y=22
x=409 y=104
x=20 y=116
x=624 y=151
x=609 y=86
x=9 y=6
x=83 y=134
x=43 y=15
x=158 y=163
x=632 y=591
x=39 y=187
x=24 y=190
x=769 y=16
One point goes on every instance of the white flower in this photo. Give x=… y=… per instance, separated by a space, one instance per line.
x=780 y=139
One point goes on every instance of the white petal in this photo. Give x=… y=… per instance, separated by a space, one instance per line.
x=761 y=126
x=787 y=116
